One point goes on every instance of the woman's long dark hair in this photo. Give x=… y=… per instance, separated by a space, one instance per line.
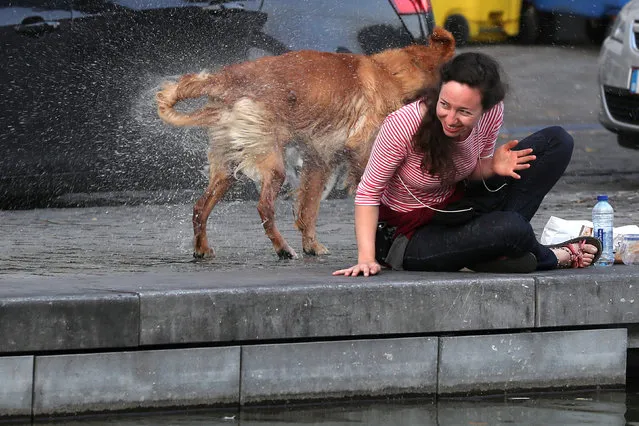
x=476 y=70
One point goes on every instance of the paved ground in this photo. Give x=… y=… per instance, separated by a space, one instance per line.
x=103 y=240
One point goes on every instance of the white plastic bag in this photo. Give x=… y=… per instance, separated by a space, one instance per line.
x=558 y=230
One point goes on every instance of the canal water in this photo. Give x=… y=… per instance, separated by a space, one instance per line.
x=600 y=407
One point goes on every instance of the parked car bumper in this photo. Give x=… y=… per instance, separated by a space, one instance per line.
x=619 y=98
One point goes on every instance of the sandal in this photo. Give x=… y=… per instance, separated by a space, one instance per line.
x=574 y=247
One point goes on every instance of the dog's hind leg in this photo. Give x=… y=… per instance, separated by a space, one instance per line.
x=272 y=172
x=312 y=183
x=219 y=183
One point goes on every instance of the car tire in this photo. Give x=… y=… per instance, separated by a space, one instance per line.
x=597 y=30
x=459 y=28
x=528 y=25
x=547 y=30
x=628 y=140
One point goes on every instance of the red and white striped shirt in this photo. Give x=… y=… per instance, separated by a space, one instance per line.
x=393 y=157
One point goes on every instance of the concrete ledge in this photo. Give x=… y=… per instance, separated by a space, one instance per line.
x=290 y=306
x=323 y=370
x=79 y=321
x=604 y=297
x=133 y=310
x=532 y=361
x=16 y=378
x=66 y=384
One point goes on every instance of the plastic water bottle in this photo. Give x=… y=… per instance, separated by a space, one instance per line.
x=602 y=224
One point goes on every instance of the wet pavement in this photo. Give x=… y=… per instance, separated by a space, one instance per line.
x=152 y=238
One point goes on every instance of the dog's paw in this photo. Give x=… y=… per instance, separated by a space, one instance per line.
x=316 y=249
x=204 y=254
x=287 y=253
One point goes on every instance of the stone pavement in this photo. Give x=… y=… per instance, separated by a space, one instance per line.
x=152 y=238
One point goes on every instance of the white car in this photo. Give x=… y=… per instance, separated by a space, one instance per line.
x=619 y=77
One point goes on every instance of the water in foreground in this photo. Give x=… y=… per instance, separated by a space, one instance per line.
x=604 y=407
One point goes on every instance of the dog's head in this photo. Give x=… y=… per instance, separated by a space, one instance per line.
x=416 y=67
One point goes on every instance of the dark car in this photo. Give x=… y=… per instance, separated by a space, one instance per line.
x=78 y=80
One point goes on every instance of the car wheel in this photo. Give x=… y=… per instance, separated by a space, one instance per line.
x=597 y=30
x=528 y=25
x=458 y=27
x=547 y=27
x=628 y=140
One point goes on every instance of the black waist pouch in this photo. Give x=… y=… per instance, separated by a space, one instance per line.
x=383 y=240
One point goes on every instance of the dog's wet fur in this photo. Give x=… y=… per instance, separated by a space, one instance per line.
x=331 y=104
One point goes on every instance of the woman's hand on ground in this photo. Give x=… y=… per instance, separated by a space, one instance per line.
x=506 y=161
x=364 y=268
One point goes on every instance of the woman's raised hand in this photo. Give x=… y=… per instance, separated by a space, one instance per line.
x=507 y=161
x=364 y=268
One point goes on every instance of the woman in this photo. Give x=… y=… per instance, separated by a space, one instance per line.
x=454 y=200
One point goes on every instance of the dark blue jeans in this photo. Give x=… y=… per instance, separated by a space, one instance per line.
x=505 y=231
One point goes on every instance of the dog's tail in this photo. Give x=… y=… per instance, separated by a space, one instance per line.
x=444 y=41
x=189 y=86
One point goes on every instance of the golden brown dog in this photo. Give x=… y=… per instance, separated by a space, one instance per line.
x=331 y=104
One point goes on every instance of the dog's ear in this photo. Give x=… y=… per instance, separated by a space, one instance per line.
x=443 y=40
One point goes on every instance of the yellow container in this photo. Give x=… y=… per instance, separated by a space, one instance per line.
x=478 y=20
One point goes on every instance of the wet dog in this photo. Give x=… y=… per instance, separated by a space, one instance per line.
x=330 y=104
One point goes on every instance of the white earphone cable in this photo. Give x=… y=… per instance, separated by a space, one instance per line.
x=452 y=211
x=427 y=206
x=484 y=181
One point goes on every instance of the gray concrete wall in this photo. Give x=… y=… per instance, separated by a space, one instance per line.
x=76 y=383
x=508 y=362
x=633 y=336
x=16 y=373
x=236 y=375
x=324 y=370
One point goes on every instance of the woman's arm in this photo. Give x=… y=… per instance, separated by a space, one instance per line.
x=484 y=169
x=388 y=152
x=365 y=230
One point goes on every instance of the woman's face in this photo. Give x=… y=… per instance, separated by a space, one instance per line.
x=459 y=109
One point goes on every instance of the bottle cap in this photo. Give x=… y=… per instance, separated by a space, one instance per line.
x=602 y=198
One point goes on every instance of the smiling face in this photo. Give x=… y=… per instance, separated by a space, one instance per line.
x=459 y=109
